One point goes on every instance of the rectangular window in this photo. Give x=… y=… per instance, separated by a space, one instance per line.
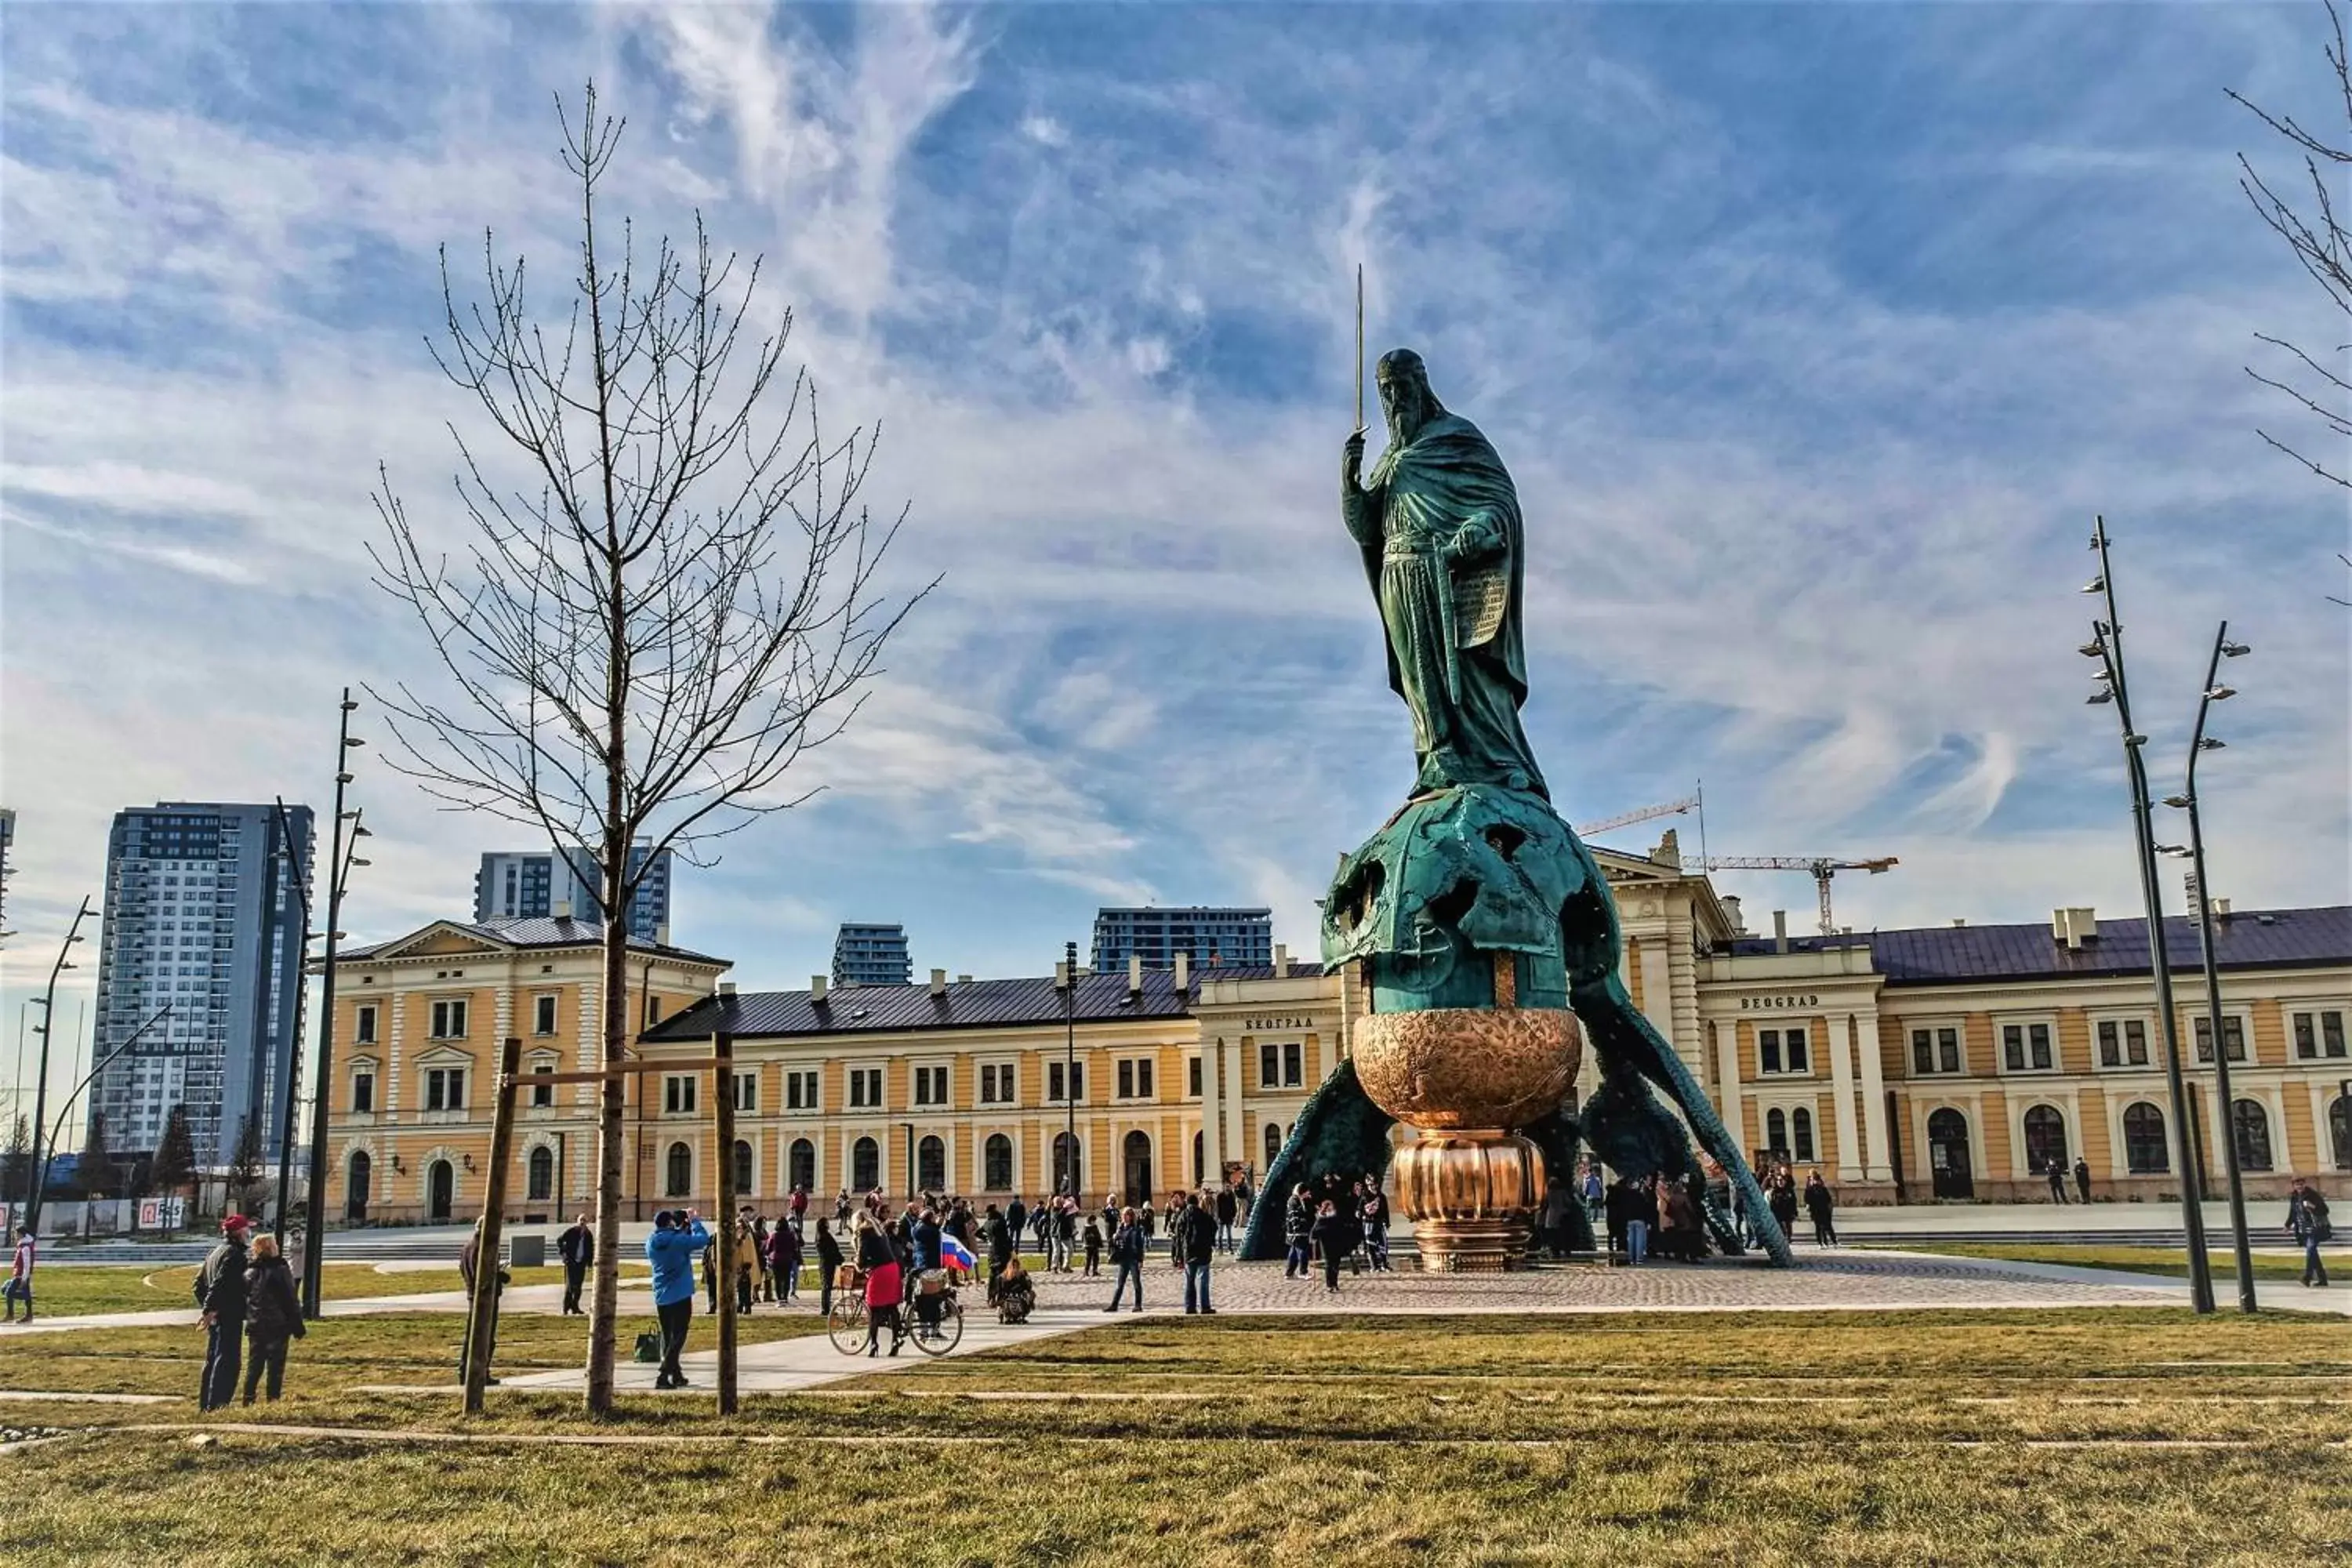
x=2306 y=1038
x=543 y=1094
x=449 y=1020
x=444 y=1088
x=2136 y=1042
x=364 y=1028
x=2233 y=1038
x=363 y=1093
x=652 y=1009
x=1127 y=1081
x=1768 y=1050
x=544 y=1019
x=1077 y=1085
x=996 y=1082
x=2024 y=1046
x=1192 y=1076
x=1922 y=1051
x=866 y=1088
x=1269 y=1067
x=800 y=1091
x=1135 y=1079
x=931 y=1085
x=2331 y=1033
x=2110 y=1049
x=677 y=1095
x=1294 y=1065
x=747 y=1092
x=1793 y=1042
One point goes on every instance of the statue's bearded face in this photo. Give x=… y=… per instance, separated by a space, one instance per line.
x=1405 y=399
x=1404 y=395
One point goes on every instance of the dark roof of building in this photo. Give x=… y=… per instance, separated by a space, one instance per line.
x=964 y=1004
x=1945 y=955
x=530 y=930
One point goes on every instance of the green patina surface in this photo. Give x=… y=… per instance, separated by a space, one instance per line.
x=1476 y=867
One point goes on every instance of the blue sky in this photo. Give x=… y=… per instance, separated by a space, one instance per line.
x=1814 y=336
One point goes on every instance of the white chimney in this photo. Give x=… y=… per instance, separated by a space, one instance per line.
x=1061 y=974
x=816 y=988
x=1281 y=962
x=1184 y=970
x=560 y=909
x=1780 y=930
x=1134 y=974
x=1959 y=922
x=2221 y=909
x=939 y=981
x=1731 y=911
x=661 y=935
x=727 y=988
x=2073 y=926
x=964 y=979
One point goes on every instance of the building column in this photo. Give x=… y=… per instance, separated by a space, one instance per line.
x=1213 y=1121
x=1840 y=1045
x=1732 y=1106
x=1658 y=990
x=1875 y=1166
x=1231 y=1104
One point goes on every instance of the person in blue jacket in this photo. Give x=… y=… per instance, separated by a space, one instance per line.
x=677 y=1237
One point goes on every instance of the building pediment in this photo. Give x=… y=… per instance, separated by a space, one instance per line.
x=442 y=939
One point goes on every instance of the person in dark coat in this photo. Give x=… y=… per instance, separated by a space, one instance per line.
x=577 y=1248
x=1784 y=1204
x=1228 y=1208
x=273 y=1315
x=1620 y=1206
x=1297 y=1223
x=1094 y=1240
x=1820 y=1204
x=1127 y=1245
x=220 y=1291
x=828 y=1265
x=785 y=1253
x=1328 y=1236
x=2081 y=1178
x=1016 y=1216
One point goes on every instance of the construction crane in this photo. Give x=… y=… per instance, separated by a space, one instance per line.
x=1669 y=808
x=1821 y=865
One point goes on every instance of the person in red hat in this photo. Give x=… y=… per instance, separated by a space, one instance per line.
x=220 y=1293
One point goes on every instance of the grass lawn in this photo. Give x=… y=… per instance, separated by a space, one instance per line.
x=2166 y=1260
x=1952 y=1438
x=72 y=1289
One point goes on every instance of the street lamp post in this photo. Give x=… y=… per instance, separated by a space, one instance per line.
x=2188 y=801
x=1069 y=1162
x=41 y=1083
x=2107 y=645
x=344 y=858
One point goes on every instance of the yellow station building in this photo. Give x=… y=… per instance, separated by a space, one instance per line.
x=1948 y=1062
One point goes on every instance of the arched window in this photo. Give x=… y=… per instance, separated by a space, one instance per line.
x=539 y=1181
x=996 y=1164
x=865 y=1165
x=931 y=1164
x=356 y=1190
x=2339 y=1131
x=1800 y=1135
x=1068 y=1172
x=801 y=1164
x=678 y=1172
x=2144 y=1151
x=2252 y=1128
x=1776 y=1133
x=747 y=1176
x=1273 y=1144
x=2045 y=1140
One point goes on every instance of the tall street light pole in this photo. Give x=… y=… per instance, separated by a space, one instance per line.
x=343 y=857
x=1069 y=1171
x=2187 y=800
x=41 y=1084
x=2107 y=645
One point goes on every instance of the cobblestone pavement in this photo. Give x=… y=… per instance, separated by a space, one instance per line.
x=1821 y=1282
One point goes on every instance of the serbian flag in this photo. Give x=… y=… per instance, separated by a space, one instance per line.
x=954 y=1254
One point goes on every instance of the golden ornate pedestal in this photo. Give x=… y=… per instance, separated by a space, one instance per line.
x=1463 y=1076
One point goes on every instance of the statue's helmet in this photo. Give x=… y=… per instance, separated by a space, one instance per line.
x=1403 y=368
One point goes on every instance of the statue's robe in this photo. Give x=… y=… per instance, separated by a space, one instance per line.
x=1447 y=486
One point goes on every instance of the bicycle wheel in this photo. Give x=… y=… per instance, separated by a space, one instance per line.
x=845 y=1325
x=938 y=1339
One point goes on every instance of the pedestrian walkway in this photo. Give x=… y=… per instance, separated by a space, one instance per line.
x=794 y=1365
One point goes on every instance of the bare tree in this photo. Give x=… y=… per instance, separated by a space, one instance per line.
x=2308 y=218
x=670 y=597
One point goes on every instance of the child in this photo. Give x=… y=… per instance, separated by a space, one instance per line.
x=1094 y=1247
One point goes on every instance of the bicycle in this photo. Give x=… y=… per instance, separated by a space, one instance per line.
x=936 y=1330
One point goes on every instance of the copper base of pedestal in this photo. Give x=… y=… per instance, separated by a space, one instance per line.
x=1471 y=1194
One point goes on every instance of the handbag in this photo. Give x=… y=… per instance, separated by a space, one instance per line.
x=648 y=1348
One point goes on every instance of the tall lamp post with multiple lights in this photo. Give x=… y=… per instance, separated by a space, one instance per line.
x=41 y=1082
x=342 y=856
x=2106 y=646
x=2198 y=745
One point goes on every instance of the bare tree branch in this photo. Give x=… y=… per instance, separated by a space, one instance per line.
x=671 y=589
